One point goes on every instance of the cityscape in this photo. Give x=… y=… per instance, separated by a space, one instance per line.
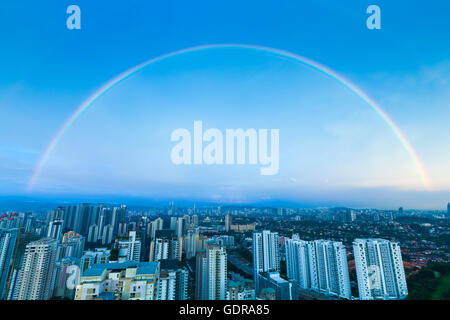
x=224 y=159
x=109 y=252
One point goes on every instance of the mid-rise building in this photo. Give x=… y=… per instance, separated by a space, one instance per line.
x=284 y=289
x=129 y=248
x=98 y=256
x=119 y=281
x=241 y=290
x=55 y=229
x=173 y=281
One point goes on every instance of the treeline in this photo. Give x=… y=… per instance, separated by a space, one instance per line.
x=430 y=283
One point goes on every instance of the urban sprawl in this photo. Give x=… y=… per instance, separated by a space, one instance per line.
x=107 y=252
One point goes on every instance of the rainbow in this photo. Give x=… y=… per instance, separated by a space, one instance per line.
x=277 y=52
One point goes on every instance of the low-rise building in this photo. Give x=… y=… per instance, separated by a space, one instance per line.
x=119 y=281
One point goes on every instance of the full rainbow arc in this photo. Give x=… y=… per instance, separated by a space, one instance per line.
x=277 y=52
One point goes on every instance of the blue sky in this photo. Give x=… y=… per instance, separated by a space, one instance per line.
x=341 y=151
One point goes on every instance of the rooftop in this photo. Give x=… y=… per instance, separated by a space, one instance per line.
x=142 y=268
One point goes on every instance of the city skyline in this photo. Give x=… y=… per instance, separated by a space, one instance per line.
x=111 y=252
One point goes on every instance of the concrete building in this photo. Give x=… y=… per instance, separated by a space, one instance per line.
x=216 y=264
x=119 y=281
x=266 y=257
x=379 y=270
x=129 y=248
x=36 y=276
x=8 y=241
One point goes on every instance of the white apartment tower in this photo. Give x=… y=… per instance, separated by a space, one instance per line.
x=379 y=269
x=216 y=260
x=319 y=265
x=297 y=262
x=329 y=268
x=266 y=255
x=36 y=276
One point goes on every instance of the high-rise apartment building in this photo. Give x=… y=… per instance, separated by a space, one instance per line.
x=155 y=226
x=55 y=229
x=266 y=255
x=297 y=262
x=319 y=265
x=165 y=246
x=36 y=276
x=8 y=240
x=216 y=264
x=173 y=281
x=201 y=275
x=190 y=243
x=63 y=275
x=329 y=268
x=379 y=269
x=228 y=222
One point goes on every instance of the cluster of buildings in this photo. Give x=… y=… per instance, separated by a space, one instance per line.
x=322 y=266
x=92 y=252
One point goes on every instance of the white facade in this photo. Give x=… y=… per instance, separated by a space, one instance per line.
x=36 y=276
x=217 y=272
x=8 y=239
x=379 y=269
x=319 y=265
x=297 y=262
x=129 y=249
x=265 y=253
x=119 y=281
x=167 y=285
